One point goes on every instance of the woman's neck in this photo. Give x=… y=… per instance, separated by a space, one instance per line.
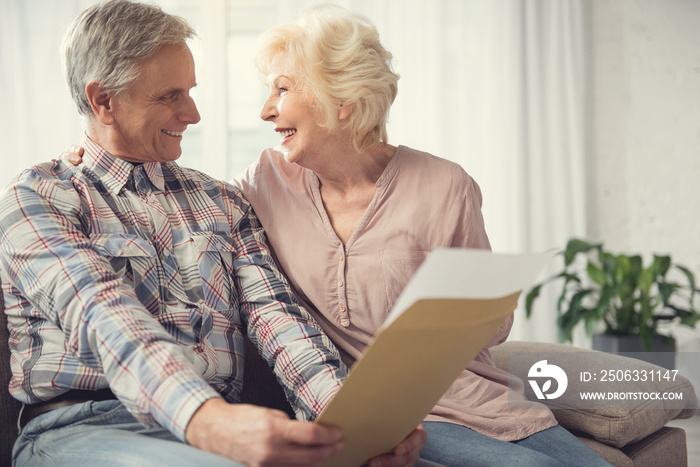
x=348 y=170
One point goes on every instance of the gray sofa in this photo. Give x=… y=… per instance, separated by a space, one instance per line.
x=629 y=437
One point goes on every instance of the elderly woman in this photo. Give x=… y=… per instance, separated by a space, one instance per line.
x=350 y=218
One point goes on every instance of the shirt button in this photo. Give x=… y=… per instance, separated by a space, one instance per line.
x=342 y=308
x=342 y=258
x=340 y=282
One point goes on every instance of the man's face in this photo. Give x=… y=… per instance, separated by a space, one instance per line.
x=150 y=117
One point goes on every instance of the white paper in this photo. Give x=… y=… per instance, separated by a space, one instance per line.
x=469 y=273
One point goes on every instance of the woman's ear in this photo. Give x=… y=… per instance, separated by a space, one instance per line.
x=345 y=110
x=101 y=102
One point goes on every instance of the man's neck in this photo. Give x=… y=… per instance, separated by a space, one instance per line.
x=100 y=135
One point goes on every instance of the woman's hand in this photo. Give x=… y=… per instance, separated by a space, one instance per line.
x=406 y=453
x=73 y=155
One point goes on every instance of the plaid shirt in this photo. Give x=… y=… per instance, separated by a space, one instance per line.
x=143 y=278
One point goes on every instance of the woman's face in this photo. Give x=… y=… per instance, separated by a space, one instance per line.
x=291 y=111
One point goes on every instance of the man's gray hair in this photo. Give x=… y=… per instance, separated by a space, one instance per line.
x=107 y=42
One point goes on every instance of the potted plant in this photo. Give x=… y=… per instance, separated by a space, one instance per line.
x=630 y=299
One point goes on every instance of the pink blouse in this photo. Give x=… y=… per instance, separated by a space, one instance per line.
x=421 y=202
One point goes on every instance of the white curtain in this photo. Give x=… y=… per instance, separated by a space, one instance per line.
x=496 y=86
x=532 y=135
x=37 y=115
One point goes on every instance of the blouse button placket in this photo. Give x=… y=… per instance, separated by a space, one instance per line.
x=342 y=296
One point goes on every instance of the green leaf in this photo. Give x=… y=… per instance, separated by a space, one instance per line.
x=661 y=264
x=645 y=280
x=691 y=281
x=530 y=298
x=608 y=263
x=595 y=273
x=636 y=265
x=573 y=315
x=686 y=317
x=622 y=268
x=604 y=299
x=574 y=247
x=645 y=321
x=690 y=319
x=591 y=321
x=688 y=274
x=665 y=291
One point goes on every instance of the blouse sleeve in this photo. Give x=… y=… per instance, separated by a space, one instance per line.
x=471 y=233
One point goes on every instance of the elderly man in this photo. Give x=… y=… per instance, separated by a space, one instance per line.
x=129 y=281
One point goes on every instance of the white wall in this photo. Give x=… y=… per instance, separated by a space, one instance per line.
x=643 y=130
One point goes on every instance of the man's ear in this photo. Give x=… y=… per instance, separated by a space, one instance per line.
x=101 y=102
x=345 y=110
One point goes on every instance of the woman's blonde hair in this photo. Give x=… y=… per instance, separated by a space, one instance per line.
x=337 y=56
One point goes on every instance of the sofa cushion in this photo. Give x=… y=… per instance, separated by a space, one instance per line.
x=617 y=427
x=9 y=406
x=609 y=453
x=260 y=386
x=668 y=446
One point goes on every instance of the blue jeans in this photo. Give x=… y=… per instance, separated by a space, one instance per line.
x=103 y=434
x=455 y=445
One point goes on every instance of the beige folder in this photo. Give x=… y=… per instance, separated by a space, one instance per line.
x=437 y=327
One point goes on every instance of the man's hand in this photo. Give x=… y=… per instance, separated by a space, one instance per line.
x=74 y=155
x=406 y=453
x=257 y=436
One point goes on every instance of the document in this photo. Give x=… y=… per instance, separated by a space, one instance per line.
x=450 y=309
